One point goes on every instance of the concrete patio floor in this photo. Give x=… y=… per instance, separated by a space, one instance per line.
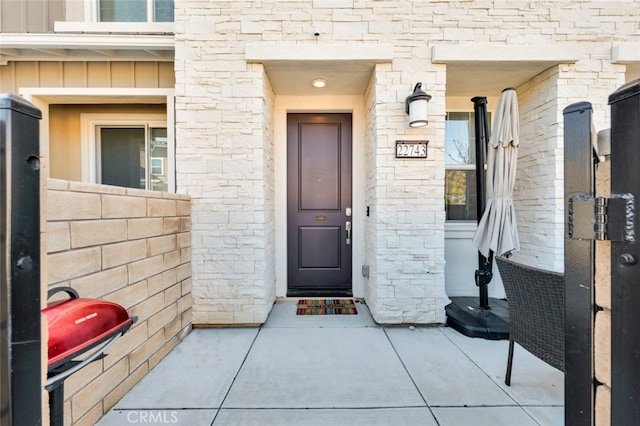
x=341 y=369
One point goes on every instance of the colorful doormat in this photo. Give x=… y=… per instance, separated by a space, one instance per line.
x=326 y=307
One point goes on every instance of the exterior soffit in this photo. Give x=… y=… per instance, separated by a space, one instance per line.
x=346 y=68
x=84 y=95
x=486 y=69
x=86 y=47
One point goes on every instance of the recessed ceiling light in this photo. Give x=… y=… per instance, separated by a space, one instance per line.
x=319 y=82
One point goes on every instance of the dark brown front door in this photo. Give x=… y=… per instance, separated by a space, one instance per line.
x=319 y=204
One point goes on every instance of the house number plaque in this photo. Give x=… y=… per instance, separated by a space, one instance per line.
x=411 y=149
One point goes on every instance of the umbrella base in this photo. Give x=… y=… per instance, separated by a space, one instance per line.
x=465 y=316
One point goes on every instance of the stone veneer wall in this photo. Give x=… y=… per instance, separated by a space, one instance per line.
x=269 y=211
x=131 y=247
x=220 y=125
x=224 y=161
x=405 y=232
x=371 y=242
x=539 y=189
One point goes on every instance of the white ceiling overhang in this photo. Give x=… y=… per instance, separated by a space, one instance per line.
x=346 y=68
x=627 y=54
x=486 y=69
x=89 y=95
x=86 y=47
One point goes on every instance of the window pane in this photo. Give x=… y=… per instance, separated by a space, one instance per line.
x=460 y=194
x=123 y=10
x=164 y=11
x=459 y=142
x=122 y=155
x=159 y=179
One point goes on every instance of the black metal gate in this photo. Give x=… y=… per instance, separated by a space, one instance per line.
x=590 y=218
x=579 y=189
x=625 y=252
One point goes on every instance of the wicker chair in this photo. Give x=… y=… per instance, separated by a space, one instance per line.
x=536 y=312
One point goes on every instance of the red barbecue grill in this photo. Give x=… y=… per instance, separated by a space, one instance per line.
x=76 y=326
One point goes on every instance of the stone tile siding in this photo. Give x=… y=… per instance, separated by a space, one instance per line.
x=222 y=116
x=131 y=247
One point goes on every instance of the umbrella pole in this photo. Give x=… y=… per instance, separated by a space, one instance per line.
x=484 y=272
x=484 y=275
x=464 y=314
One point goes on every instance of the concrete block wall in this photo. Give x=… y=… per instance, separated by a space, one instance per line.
x=131 y=247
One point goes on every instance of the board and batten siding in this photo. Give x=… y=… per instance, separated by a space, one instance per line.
x=98 y=74
x=30 y=16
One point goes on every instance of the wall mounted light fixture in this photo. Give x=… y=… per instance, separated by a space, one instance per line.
x=416 y=107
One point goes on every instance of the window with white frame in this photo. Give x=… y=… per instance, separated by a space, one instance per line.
x=134 y=152
x=460 y=167
x=135 y=10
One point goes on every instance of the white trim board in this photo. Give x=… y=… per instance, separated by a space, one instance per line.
x=319 y=104
x=43 y=96
x=266 y=52
x=546 y=54
x=625 y=53
x=115 y=27
x=88 y=146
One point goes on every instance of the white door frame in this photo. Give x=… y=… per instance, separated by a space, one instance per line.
x=350 y=104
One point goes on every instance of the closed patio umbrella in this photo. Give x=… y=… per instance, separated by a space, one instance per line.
x=497 y=230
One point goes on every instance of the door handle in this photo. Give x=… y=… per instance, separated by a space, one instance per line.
x=347 y=226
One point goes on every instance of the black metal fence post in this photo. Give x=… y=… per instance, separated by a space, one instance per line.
x=20 y=350
x=579 y=185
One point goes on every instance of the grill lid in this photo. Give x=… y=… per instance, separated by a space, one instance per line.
x=78 y=324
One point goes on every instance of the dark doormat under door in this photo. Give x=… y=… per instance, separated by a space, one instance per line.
x=326 y=307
